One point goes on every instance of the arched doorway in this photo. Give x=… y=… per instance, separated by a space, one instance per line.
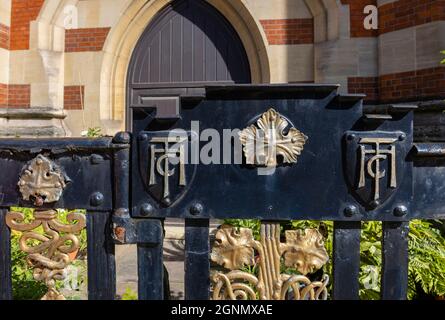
x=189 y=43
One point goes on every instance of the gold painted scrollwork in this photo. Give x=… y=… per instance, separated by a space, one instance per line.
x=235 y=248
x=48 y=252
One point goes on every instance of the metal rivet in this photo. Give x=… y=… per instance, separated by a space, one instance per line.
x=351 y=137
x=96 y=159
x=350 y=211
x=122 y=138
x=147 y=209
x=402 y=137
x=196 y=209
x=374 y=204
x=96 y=199
x=400 y=211
x=143 y=136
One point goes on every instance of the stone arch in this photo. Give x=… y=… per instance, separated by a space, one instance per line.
x=125 y=34
x=326 y=19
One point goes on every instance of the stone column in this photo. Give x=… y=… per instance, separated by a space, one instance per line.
x=42 y=67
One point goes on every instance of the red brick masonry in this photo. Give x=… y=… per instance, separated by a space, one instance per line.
x=3 y=95
x=15 y=95
x=73 y=97
x=4 y=36
x=289 y=31
x=404 y=86
x=404 y=14
x=395 y=16
x=366 y=85
x=357 y=17
x=22 y=13
x=86 y=39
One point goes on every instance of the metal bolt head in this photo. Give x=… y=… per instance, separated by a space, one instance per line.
x=351 y=137
x=96 y=199
x=96 y=159
x=147 y=209
x=400 y=211
x=122 y=138
x=143 y=137
x=196 y=209
x=374 y=204
x=402 y=137
x=350 y=211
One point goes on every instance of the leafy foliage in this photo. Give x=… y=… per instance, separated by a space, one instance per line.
x=426 y=255
x=129 y=294
x=93 y=132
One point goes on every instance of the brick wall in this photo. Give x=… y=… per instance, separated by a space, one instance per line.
x=19 y=96
x=86 y=39
x=403 y=86
x=289 y=31
x=4 y=36
x=366 y=85
x=22 y=13
x=3 y=95
x=357 y=17
x=404 y=14
x=394 y=16
x=15 y=96
x=73 y=97
x=413 y=85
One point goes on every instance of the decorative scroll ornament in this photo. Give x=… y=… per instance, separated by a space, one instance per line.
x=303 y=250
x=48 y=252
x=267 y=139
x=41 y=181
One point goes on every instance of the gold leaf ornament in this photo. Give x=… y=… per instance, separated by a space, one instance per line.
x=233 y=247
x=304 y=250
x=266 y=140
x=41 y=181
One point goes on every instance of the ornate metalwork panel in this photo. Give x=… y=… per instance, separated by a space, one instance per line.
x=74 y=173
x=162 y=164
x=270 y=152
x=303 y=251
x=376 y=165
x=49 y=173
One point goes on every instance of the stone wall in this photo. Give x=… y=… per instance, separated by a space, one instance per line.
x=69 y=57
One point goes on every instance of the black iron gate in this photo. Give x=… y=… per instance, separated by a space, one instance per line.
x=302 y=152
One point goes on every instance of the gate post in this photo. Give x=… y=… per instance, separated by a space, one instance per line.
x=346 y=258
x=150 y=260
x=197 y=264
x=5 y=258
x=395 y=260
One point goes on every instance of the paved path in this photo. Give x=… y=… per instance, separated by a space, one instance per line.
x=126 y=260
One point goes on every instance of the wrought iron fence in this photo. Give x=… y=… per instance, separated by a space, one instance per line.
x=333 y=159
